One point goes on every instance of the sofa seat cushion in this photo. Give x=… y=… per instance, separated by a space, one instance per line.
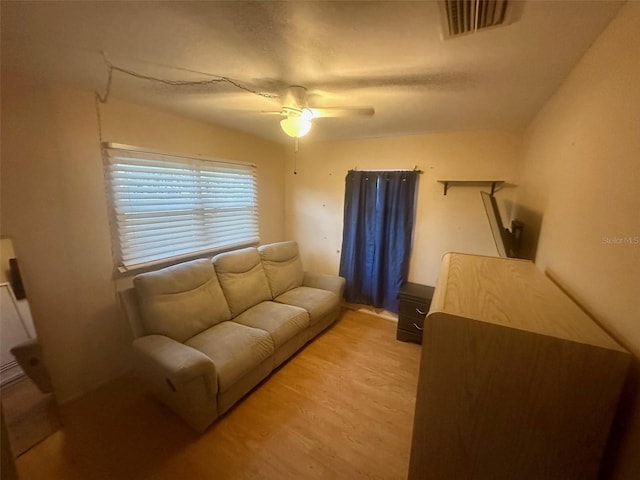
x=314 y=300
x=235 y=350
x=283 y=322
x=181 y=301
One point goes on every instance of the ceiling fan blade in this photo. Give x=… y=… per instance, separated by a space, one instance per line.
x=342 y=112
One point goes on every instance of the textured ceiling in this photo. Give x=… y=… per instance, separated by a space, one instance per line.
x=389 y=55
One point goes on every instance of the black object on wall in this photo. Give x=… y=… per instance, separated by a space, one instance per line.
x=16 y=279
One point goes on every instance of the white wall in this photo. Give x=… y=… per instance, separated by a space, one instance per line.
x=7 y=252
x=54 y=208
x=455 y=222
x=580 y=177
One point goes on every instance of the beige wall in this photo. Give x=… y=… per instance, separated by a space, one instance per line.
x=455 y=222
x=54 y=208
x=580 y=175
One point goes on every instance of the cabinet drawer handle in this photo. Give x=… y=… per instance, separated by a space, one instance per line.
x=420 y=311
x=418 y=326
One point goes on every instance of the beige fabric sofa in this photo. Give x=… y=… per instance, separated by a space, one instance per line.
x=208 y=331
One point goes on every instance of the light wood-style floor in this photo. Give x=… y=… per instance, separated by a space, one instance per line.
x=342 y=408
x=30 y=415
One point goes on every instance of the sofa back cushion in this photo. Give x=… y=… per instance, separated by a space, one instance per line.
x=242 y=278
x=181 y=301
x=282 y=265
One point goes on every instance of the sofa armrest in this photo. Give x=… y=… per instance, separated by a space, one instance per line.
x=333 y=283
x=162 y=359
x=182 y=378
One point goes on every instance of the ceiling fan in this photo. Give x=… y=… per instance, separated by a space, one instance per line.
x=299 y=115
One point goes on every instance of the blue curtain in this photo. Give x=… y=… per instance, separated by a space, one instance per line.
x=377 y=233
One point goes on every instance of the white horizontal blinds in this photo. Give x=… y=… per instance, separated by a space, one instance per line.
x=165 y=207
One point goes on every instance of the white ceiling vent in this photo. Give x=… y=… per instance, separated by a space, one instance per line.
x=468 y=16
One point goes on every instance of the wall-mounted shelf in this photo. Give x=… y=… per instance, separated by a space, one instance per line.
x=471 y=183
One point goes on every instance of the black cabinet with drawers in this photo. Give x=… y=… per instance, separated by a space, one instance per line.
x=415 y=300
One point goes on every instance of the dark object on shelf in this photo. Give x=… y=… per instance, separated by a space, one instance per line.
x=415 y=300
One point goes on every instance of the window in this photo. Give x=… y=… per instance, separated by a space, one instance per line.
x=165 y=207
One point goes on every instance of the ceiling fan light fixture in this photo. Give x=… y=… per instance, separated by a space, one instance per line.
x=296 y=126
